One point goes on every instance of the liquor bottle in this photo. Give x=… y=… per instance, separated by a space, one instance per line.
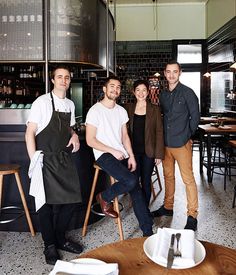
x=19 y=91
x=1 y=90
x=4 y=86
x=9 y=87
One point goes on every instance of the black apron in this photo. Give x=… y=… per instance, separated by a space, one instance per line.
x=61 y=180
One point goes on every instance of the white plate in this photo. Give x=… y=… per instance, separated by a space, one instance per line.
x=150 y=242
x=87 y=261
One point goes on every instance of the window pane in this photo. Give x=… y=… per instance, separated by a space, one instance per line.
x=189 y=53
x=221 y=84
x=222 y=53
x=192 y=80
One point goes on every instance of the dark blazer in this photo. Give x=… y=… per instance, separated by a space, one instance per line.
x=154 y=141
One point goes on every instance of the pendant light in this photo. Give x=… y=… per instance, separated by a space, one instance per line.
x=207 y=74
x=233 y=66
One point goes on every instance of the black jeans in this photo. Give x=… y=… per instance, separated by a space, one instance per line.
x=144 y=171
x=126 y=182
x=54 y=221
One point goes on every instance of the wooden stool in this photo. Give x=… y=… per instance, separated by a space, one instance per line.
x=155 y=173
x=116 y=204
x=8 y=169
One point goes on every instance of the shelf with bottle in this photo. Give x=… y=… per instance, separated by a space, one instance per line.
x=20 y=84
x=23 y=70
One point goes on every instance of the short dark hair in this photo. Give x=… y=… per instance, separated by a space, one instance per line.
x=140 y=82
x=59 y=67
x=172 y=62
x=110 y=78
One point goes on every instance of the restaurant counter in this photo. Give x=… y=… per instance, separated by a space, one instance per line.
x=13 y=150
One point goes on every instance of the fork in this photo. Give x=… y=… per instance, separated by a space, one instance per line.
x=177 y=252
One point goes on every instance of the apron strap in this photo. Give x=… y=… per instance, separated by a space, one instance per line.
x=53 y=105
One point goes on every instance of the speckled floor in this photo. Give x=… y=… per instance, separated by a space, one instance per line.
x=22 y=254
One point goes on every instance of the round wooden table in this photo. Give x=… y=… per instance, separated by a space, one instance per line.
x=132 y=260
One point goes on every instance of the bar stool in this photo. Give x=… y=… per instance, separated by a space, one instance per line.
x=155 y=173
x=116 y=204
x=223 y=161
x=219 y=161
x=8 y=169
x=234 y=198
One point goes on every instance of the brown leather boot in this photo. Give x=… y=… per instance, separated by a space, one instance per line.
x=106 y=207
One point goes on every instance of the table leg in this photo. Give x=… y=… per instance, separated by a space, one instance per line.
x=209 y=177
x=201 y=153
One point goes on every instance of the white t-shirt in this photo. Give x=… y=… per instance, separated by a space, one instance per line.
x=108 y=123
x=41 y=110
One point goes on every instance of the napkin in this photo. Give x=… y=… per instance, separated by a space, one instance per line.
x=186 y=246
x=85 y=268
x=36 y=176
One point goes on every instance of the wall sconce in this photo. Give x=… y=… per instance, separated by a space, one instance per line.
x=207 y=74
x=233 y=66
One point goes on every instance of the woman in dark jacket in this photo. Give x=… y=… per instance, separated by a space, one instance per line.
x=146 y=134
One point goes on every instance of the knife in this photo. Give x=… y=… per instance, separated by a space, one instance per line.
x=170 y=257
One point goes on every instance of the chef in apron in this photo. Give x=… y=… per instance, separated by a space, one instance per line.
x=49 y=130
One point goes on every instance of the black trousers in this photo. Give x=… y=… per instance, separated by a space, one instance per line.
x=54 y=221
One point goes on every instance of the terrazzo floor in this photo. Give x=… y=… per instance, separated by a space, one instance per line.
x=22 y=254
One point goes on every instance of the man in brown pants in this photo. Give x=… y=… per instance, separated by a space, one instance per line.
x=181 y=117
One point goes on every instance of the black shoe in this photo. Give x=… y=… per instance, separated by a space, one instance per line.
x=71 y=247
x=51 y=254
x=162 y=211
x=191 y=223
x=147 y=233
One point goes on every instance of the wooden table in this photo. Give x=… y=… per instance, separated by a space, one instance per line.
x=226 y=120
x=209 y=130
x=132 y=260
x=232 y=143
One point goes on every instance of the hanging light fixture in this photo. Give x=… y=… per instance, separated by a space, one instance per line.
x=207 y=74
x=233 y=66
x=157 y=74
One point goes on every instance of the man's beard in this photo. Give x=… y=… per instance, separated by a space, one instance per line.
x=114 y=97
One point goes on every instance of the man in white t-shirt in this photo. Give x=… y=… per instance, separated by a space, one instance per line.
x=49 y=130
x=106 y=133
